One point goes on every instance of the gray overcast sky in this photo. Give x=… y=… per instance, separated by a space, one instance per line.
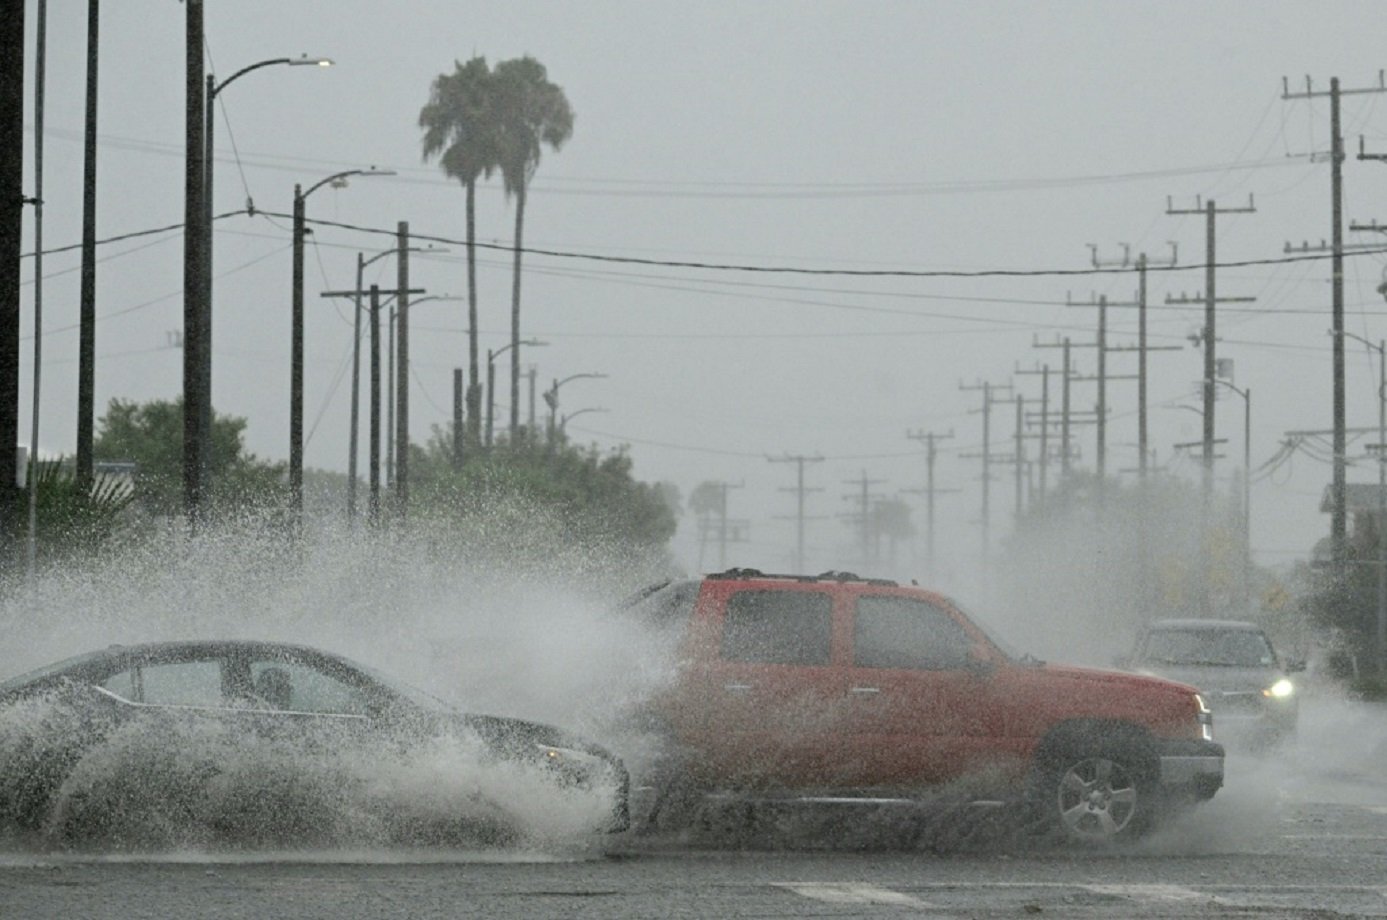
x=915 y=136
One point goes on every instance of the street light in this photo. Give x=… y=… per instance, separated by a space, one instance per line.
x=296 y=336
x=1246 y=394
x=563 y=422
x=551 y=395
x=1381 y=349
x=204 y=332
x=491 y=357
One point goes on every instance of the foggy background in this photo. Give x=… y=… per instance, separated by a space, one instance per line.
x=825 y=136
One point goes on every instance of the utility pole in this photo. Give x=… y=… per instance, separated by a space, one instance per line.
x=1208 y=335
x=356 y=295
x=800 y=490
x=864 y=515
x=929 y=438
x=402 y=414
x=86 y=313
x=1339 y=525
x=1044 y=434
x=532 y=373
x=987 y=389
x=1143 y=262
x=12 y=201
x=194 y=242
x=374 y=454
x=457 y=418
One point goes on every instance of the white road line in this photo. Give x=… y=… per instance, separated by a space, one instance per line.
x=850 y=893
x=1155 y=893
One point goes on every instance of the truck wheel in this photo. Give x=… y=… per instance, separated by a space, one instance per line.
x=1097 y=797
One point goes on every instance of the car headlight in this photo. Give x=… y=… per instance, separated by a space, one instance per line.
x=1280 y=690
x=1205 y=717
x=575 y=767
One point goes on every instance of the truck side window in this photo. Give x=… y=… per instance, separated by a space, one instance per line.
x=902 y=632
x=778 y=627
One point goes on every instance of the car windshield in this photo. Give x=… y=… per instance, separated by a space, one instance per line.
x=991 y=634
x=1239 y=648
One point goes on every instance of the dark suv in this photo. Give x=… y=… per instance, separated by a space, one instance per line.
x=836 y=686
x=1237 y=671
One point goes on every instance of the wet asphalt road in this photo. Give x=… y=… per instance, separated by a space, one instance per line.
x=1300 y=834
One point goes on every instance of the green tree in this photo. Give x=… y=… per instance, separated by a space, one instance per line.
x=553 y=505
x=530 y=112
x=151 y=435
x=459 y=129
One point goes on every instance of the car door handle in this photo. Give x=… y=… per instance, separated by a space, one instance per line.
x=736 y=688
x=865 y=691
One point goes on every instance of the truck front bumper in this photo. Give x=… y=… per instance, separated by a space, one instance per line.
x=1193 y=766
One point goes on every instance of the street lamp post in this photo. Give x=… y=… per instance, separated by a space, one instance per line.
x=551 y=397
x=563 y=422
x=1246 y=395
x=204 y=330
x=296 y=336
x=1381 y=349
x=491 y=357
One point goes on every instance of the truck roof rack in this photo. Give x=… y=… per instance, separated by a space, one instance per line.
x=832 y=575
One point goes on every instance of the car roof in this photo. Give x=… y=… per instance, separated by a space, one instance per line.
x=158 y=650
x=1196 y=623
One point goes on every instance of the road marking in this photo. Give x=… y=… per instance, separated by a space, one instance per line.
x=1157 y=893
x=850 y=893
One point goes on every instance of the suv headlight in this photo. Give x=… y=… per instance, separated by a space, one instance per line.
x=1279 y=690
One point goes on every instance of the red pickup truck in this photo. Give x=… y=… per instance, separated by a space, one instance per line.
x=833 y=685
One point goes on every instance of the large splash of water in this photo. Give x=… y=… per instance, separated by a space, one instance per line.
x=485 y=632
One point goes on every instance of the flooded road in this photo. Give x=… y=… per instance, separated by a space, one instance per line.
x=1301 y=833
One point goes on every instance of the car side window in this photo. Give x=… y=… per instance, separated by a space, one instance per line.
x=174 y=683
x=778 y=627
x=903 y=632
x=292 y=686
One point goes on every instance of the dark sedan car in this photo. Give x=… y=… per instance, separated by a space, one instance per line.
x=246 y=742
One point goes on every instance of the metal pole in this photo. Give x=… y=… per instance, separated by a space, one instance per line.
x=490 y=394
x=296 y=365
x=1141 y=364
x=402 y=387
x=1339 y=521
x=86 y=348
x=390 y=401
x=356 y=393
x=457 y=418
x=40 y=68
x=1247 y=500
x=374 y=453
x=194 y=238
x=204 y=374
x=1381 y=507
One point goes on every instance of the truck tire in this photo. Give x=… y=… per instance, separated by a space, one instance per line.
x=1096 y=795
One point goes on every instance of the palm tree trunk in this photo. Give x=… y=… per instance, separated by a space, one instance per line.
x=515 y=315
x=474 y=386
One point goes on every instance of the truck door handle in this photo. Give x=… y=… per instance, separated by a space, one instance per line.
x=736 y=688
x=865 y=691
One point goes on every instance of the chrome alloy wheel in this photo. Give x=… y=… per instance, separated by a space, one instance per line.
x=1097 y=799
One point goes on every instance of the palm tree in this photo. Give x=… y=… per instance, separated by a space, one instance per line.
x=530 y=112
x=459 y=129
